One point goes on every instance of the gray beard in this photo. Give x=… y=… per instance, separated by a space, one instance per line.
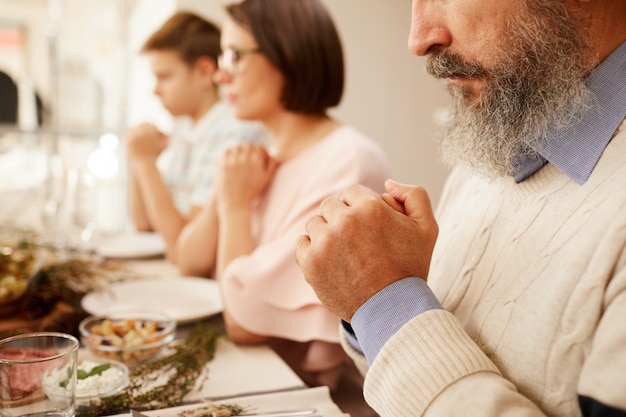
x=535 y=88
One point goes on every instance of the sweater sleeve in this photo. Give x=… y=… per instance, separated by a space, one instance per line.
x=431 y=367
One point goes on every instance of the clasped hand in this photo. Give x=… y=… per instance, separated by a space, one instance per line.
x=243 y=174
x=363 y=241
x=145 y=142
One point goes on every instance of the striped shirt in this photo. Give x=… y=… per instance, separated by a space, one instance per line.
x=188 y=164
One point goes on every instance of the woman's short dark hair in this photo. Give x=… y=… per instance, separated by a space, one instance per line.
x=188 y=34
x=300 y=39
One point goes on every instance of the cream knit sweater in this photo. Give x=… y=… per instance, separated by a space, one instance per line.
x=533 y=280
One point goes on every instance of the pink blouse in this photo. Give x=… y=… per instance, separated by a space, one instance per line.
x=266 y=292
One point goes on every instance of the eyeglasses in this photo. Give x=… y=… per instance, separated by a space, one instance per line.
x=229 y=59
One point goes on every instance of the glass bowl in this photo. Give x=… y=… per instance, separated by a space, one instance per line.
x=96 y=379
x=132 y=337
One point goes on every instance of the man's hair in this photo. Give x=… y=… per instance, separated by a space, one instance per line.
x=188 y=34
x=300 y=39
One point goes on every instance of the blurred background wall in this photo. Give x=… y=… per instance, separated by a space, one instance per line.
x=81 y=58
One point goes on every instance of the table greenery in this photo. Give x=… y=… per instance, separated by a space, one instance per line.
x=185 y=369
x=63 y=279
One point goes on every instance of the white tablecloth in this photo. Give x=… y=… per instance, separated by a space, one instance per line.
x=243 y=370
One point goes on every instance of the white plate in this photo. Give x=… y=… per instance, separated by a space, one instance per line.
x=185 y=299
x=129 y=246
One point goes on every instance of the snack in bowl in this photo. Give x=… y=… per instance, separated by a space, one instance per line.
x=131 y=337
x=94 y=380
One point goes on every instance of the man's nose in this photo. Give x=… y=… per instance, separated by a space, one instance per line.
x=428 y=28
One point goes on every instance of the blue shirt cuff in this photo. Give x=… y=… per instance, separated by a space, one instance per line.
x=387 y=311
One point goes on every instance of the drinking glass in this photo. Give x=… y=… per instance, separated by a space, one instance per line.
x=24 y=362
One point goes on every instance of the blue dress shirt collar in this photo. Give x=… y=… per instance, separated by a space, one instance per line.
x=577 y=149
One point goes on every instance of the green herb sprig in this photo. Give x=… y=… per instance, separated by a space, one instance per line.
x=82 y=374
x=96 y=370
x=212 y=410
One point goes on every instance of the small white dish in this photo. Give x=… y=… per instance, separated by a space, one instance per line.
x=91 y=389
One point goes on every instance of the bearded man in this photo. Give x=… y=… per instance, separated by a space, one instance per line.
x=523 y=310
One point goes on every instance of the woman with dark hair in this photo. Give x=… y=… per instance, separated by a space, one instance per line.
x=282 y=65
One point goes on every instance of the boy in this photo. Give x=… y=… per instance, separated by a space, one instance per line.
x=171 y=177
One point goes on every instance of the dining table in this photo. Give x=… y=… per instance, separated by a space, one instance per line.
x=253 y=376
